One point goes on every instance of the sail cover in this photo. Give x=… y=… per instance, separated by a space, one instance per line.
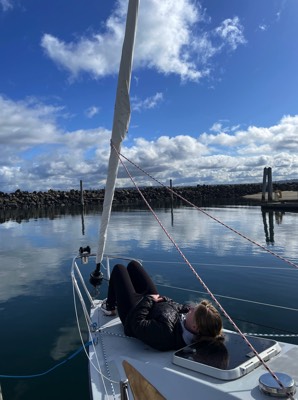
x=120 y=122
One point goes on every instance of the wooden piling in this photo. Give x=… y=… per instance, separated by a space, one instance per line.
x=172 y=199
x=270 y=190
x=82 y=192
x=82 y=208
x=267 y=174
x=264 y=183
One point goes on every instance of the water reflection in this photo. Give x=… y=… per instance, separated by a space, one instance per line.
x=269 y=233
x=83 y=219
x=24 y=215
x=268 y=222
x=46 y=243
x=37 y=247
x=33 y=255
x=279 y=217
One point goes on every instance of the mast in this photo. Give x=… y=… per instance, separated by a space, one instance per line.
x=120 y=121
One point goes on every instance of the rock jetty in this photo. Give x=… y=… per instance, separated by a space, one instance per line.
x=200 y=195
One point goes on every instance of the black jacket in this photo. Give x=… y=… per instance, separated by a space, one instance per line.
x=157 y=323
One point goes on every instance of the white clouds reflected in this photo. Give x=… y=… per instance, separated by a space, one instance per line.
x=37 y=254
x=31 y=254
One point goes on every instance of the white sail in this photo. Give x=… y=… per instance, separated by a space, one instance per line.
x=120 y=122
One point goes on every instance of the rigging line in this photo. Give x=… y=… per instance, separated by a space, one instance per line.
x=103 y=377
x=90 y=335
x=285 y=333
x=224 y=265
x=88 y=328
x=237 y=299
x=50 y=369
x=271 y=335
x=211 y=216
x=231 y=298
x=201 y=280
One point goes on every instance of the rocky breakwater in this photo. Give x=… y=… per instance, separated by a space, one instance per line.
x=52 y=198
x=57 y=198
x=200 y=195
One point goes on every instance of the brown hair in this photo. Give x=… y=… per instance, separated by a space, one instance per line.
x=208 y=321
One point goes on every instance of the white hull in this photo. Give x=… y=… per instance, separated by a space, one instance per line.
x=172 y=381
x=110 y=347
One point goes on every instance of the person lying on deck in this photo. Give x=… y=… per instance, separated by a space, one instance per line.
x=157 y=320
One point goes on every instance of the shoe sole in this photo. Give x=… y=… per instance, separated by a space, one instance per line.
x=108 y=313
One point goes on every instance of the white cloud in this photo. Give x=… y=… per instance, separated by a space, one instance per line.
x=231 y=31
x=27 y=122
x=280 y=11
x=148 y=103
x=6 y=5
x=92 y=111
x=263 y=27
x=217 y=127
x=182 y=51
x=255 y=140
x=38 y=155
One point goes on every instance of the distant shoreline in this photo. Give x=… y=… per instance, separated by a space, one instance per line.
x=199 y=194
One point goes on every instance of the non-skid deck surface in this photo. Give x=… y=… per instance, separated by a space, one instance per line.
x=172 y=381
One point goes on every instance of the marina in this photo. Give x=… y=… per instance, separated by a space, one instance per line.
x=36 y=292
x=283 y=201
x=146 y=293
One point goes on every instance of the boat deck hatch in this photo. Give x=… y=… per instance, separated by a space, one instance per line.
x=228 y=359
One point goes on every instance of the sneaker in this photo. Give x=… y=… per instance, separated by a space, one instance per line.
x=107 y=309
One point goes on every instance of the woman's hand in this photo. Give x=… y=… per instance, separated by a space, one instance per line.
x=156 y=297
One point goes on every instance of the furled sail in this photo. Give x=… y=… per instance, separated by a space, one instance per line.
x=120 y=122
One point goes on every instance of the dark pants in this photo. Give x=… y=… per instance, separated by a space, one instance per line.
x=127 y=286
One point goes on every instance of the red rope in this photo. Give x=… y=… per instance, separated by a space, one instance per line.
x=194 y=271
x=209 y=215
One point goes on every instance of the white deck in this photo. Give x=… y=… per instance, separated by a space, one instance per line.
x=172 y=381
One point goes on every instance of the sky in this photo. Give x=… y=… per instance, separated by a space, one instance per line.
x=214 y=92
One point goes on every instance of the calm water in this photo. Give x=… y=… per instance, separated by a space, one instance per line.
x=38 y=327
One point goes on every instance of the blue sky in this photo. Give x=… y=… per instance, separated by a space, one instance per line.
x=213 y=92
